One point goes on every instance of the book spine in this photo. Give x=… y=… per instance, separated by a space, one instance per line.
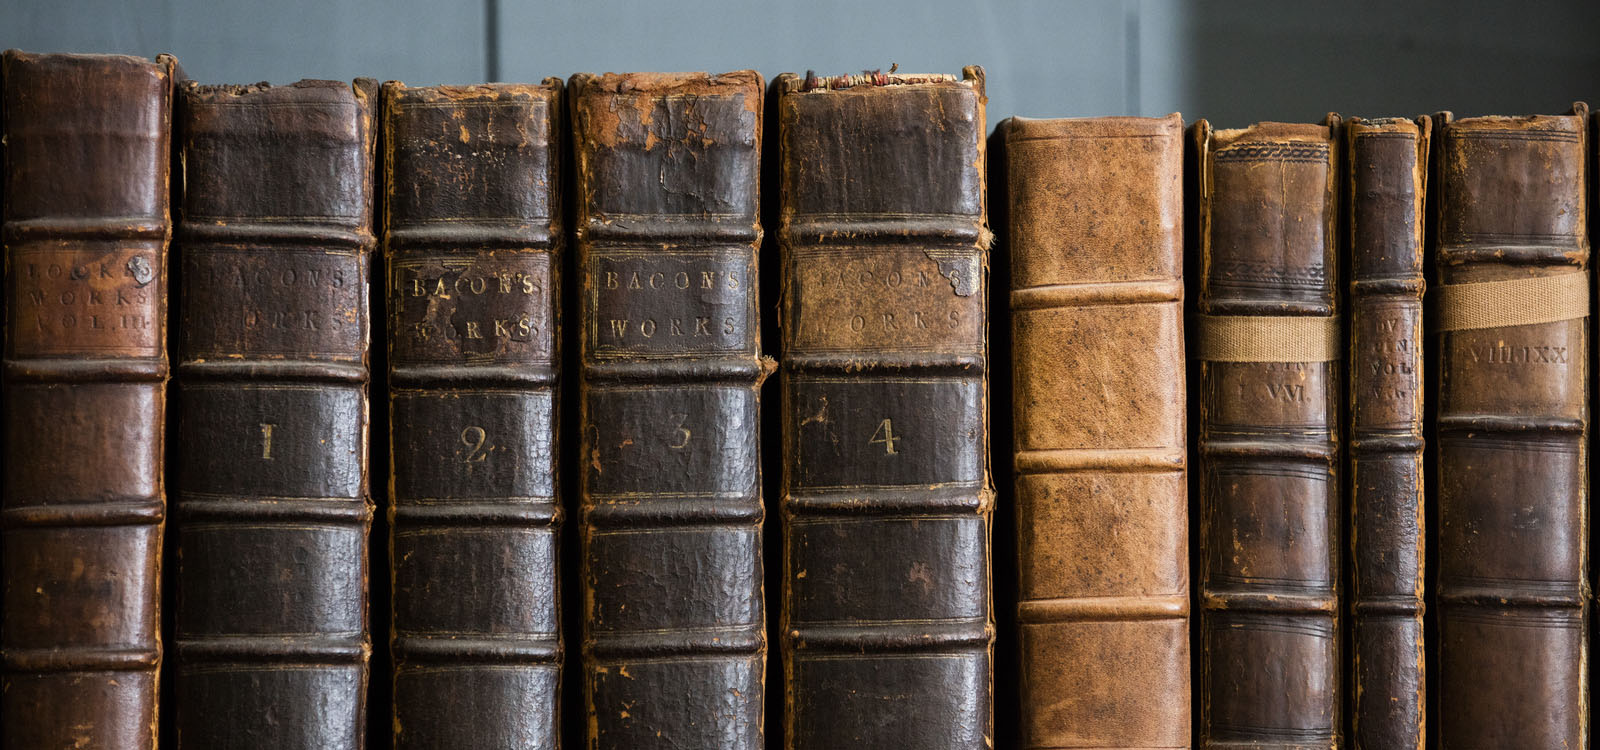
x=667 y=197
x=473 y=241
x=1268 y=437
x=271 y=504
x=1101 y=484
x=86 y=224
x=1512 y=431
x=1387 y=166
x=887 y=621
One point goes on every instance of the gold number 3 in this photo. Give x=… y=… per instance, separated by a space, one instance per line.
x=683 y=434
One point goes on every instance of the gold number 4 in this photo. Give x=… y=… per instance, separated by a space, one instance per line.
x=886 y=430
x=474 y=438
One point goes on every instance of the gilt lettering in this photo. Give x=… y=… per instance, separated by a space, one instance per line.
x=1506 y=354
x=475 y=285
x=623 y=329
x=678 y=281
x=89 y=304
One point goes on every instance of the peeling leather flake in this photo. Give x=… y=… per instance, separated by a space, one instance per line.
x=962 y=270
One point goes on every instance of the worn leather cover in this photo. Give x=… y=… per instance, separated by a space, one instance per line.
x=1387 y=168
x=667 y=197
x=271 y=505
x=1268 y=557
x=86 y=147
x=1512 y=424
x=1096 y=239
x=473 y=241
x=887 y=622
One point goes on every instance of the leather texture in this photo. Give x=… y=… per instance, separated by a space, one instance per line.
x=667 y=198
x=473 y=243
x=1385 y=188
x=888 y=627
x=271 y=505
x=1512 y=432
x=1268 y=557
x=87 y=142
x=1096 y=240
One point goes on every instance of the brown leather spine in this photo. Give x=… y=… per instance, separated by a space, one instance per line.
x=271 y=504
x=667 y=197
x=1387 y=166
x=1512 y=431
x=86 y=144
x=1098 y=377
x=887 y=624
x=473 y=241
x=1268 y=443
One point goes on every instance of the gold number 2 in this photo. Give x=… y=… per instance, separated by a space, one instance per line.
x=886 y=429
x=474 y=437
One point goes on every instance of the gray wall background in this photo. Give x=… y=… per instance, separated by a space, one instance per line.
x=1231 y=62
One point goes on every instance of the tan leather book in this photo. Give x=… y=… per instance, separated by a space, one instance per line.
x=1269 y=389
x=887 y=621
x=1096 y=237
x=473 y=242
x=1385 y=187
x=87 y=143
x=1511 y=255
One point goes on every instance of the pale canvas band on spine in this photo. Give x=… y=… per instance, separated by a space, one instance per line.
x=1269 y=338
x=1513 y=302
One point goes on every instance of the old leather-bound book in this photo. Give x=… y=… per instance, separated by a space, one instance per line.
x=271 y=510
x=1387 y=166
x=86 y=148
x=473 y=240
x=667 y=227
x=1269 y=389
x=1096 y=237
x=887 y=623
x=1512 y=265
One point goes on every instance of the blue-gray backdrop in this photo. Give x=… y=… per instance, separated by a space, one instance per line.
x=1229 y=61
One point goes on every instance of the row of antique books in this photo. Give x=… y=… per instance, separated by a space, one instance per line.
x=572 y=284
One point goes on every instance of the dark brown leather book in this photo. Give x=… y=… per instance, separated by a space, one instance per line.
x=1269 y=388
x=1096 y=238
x=1512 y=263
x=271 y=510
x=887 y=623
x=473 y=241
x=87 y=152
x=667 y=203
x=1387 y=167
